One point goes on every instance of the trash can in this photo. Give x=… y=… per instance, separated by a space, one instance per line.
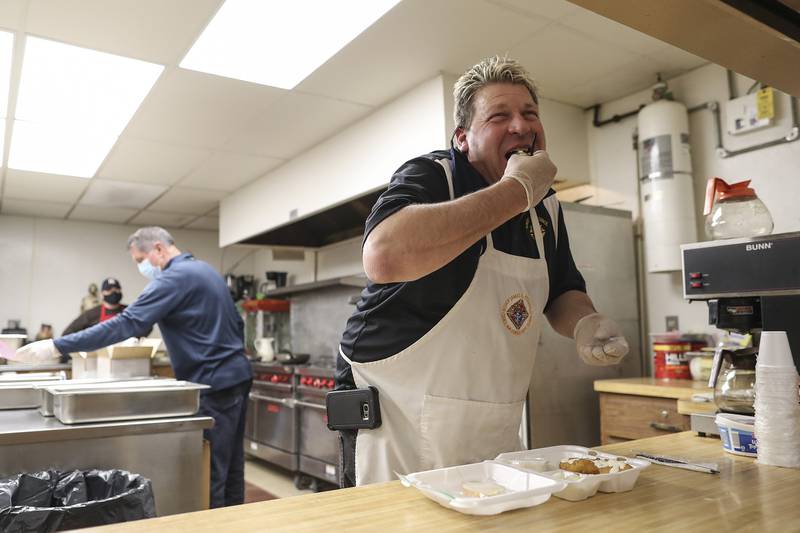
x=52 y=500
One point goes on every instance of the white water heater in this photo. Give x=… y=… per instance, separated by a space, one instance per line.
x=667 y=192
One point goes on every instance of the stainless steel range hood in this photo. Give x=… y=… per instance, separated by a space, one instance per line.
x=334 y=224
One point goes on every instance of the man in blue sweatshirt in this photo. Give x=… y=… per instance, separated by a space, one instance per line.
x=204 y=337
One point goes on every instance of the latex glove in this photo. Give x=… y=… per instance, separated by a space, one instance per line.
x=534 y=172
x=599 y=340
x=37 y=352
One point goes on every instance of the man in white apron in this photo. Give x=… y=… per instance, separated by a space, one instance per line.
x=466 y=253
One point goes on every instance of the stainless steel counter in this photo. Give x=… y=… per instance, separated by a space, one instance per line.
x=17 y=367
x=167 y=451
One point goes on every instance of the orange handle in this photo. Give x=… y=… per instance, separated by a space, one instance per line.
x=712 y=188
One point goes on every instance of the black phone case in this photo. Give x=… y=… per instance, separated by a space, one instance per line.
x=353 y=409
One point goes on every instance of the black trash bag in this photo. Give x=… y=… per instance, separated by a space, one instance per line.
x=51 y=501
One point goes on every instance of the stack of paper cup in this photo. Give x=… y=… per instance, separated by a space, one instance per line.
x=777 y=409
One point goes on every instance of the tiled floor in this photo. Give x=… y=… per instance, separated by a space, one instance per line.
x=271 y=478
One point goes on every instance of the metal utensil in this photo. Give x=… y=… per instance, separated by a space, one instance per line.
x=663 y=460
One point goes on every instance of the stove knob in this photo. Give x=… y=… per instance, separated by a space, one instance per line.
x=316 y=382
x=331 y=383
x=273 y=378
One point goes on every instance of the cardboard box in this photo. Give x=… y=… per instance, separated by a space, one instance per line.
x=125 y=360
x=84 y=365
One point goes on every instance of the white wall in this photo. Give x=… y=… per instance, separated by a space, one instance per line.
x=359 y=159
x=774 y=172
x=48 y=264
x=567 y=140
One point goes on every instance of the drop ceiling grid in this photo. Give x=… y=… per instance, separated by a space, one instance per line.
x=204 y=136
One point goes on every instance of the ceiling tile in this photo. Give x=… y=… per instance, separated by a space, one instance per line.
x=106 y=193
x=609 y=31
x=632 y=78
x=152 y=30
x=285 y=129
x=226 y=171
x=204 y=223
x=152 y=218
x=102 y=214
x=188 y=201
x=549 y=9
x=12 y=14
x=34 y=208
x=414 y=42
x=37 y=186
x=672 y=61
x=572 y=58
x=195 y=109
x=150 y=162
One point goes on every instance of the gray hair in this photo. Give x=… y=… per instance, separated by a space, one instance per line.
x=490 y=70
x=144 y=238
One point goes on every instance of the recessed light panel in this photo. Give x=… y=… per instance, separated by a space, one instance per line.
x=279 y=42
x=72 y=106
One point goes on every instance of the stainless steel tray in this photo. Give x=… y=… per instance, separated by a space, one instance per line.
x=45 y=389
x=22 y=394
x=75 y=406
x=18 y=377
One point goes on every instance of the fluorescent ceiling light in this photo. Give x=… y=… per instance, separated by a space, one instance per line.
x=6 y=50
x=73 y=104
x=279 y=42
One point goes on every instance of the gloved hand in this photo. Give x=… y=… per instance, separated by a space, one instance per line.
x=37 y=352
x=599 y=340
x=534 y=172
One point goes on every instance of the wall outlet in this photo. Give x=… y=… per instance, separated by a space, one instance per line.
x=672 y=323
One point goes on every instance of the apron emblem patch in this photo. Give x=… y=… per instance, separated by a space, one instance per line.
x=516 y=313
x=543 y=223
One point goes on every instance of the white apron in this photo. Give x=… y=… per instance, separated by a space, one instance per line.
x=456 y=395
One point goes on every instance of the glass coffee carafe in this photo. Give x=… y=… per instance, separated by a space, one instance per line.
x=735 y=388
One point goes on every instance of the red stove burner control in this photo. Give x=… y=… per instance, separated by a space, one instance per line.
x=317 y=383
x=273 y=378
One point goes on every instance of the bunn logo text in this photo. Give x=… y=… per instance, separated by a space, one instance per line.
x=758 y=246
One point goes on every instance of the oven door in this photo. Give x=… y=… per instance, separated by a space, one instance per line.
x=274 y=420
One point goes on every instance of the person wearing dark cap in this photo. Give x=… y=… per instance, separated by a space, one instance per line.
x=109 y=307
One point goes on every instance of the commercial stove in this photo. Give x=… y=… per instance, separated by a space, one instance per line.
x=319 y=447
x=271 y=425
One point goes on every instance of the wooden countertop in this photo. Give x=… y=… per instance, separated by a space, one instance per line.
x=744 y=496
x=680 y=389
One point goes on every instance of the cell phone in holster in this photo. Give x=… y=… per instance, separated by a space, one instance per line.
x=353 y=409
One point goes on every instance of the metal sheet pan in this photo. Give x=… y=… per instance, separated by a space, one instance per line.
x=75 y=406
x=46 y=400
x=22 y=393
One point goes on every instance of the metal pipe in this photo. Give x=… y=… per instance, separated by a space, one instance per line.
x=732 y=92
x=616 y=118
x=724 y=153
x=641 y=285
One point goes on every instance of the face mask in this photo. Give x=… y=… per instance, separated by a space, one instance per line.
x=147 y=269
x=112 y=298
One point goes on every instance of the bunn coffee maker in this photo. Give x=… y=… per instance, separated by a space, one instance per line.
x=750 y=284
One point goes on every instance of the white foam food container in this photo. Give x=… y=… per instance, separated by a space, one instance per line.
x=520 y=489
x=544 y=461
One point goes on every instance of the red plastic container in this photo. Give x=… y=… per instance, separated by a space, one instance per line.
x=670 y=360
